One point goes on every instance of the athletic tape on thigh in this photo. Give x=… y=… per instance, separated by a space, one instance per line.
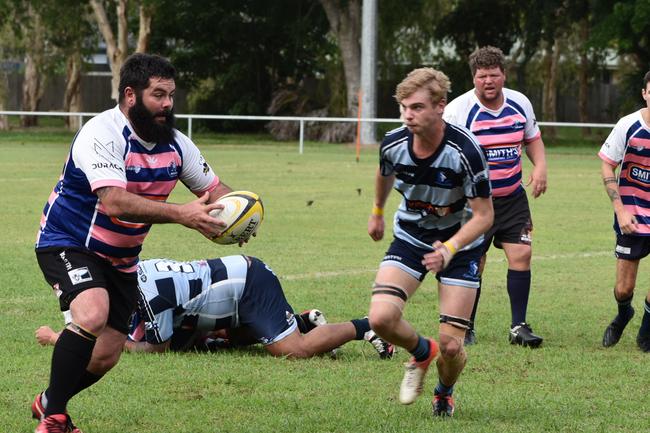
x=385 y=289
x=456 y=322
x=81 y=331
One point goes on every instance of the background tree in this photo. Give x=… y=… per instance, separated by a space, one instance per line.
x=117 y=42
x=34 y=43
x=235 y=55
x=624 y=26
x=344 y=17
x=9 y=50
x=71 y=35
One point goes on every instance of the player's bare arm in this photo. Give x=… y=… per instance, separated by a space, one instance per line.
x=122 y=204
x=221 y=190
x=376 y=222
x=537 y=155
x=483 y=216
x=626 y=221
x=143 y=346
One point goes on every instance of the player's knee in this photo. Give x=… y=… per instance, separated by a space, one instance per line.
x=94 y=324
x=450 y=347
x=382 y=320
x=624 y=289
x=521 y=259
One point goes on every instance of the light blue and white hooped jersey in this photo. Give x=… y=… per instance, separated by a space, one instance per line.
x=628 y=145
x=501 y=133
x=201 y=295
x=107 y=152
x=434 y=190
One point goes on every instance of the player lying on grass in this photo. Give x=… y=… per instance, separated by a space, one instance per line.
x=183 y=303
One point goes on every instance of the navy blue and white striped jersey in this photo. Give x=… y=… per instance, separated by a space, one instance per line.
x=203 y=292
x=435 y=189
x=186 y=299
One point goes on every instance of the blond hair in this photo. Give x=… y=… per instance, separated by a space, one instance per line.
x=432 y=80
x=487 y=57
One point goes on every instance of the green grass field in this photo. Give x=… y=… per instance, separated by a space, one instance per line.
x=326 y=260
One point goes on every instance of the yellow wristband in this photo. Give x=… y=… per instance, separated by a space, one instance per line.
x=377 y=211
x=450 y=247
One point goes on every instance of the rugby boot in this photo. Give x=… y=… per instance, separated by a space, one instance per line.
x=470 y=337
x=38 y=412
x=643 y=341
x=383 y=348
x=413 y=381
x=614 y=331
x=443 y=405
x=522 y=334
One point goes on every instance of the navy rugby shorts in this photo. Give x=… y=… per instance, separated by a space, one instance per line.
x=462 y=271
x=263 y=307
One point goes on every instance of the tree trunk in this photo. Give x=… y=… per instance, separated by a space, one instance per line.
x=34 y=80
x=4 y=92
x=116 y=49
x=144 y=31
x=549 y=102
x=583 y=79
x=72 y=95
x=346 y=26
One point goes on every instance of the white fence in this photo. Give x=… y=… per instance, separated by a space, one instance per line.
x=302 y=120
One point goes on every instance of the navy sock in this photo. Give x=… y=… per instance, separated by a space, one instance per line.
x=442 y=389
x=645 y=322
x=472 y=317
x=518 y=290
x=625 y=310
x=422 y=350
x=70 y=358
x=361 y=326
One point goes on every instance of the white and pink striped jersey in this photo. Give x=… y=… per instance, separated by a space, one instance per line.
x=106 y=152
x=501 y=134
x=628 y=145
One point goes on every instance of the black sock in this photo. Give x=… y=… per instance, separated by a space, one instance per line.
x=625 y=310
x=70 y=358
x=645 y=322
x=302 y=325
x=518 y=290
x=472 y=317
x=361 y=326
x=88 y=379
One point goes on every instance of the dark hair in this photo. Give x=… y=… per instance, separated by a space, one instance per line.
x=486 y=58
x=646 y=80
x=139 y=68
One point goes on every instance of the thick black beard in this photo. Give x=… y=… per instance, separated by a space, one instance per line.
x=148 y=128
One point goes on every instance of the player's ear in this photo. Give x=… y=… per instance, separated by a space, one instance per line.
x=130 y=97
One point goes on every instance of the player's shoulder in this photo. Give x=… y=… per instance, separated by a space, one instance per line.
x=463 y=100
x=516 y=97
x=629 y=120
x=395 y=137
x=113 y=118
x=459 y=139
x=460 y=136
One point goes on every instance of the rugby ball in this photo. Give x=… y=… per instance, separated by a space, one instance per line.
x=242 y=212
